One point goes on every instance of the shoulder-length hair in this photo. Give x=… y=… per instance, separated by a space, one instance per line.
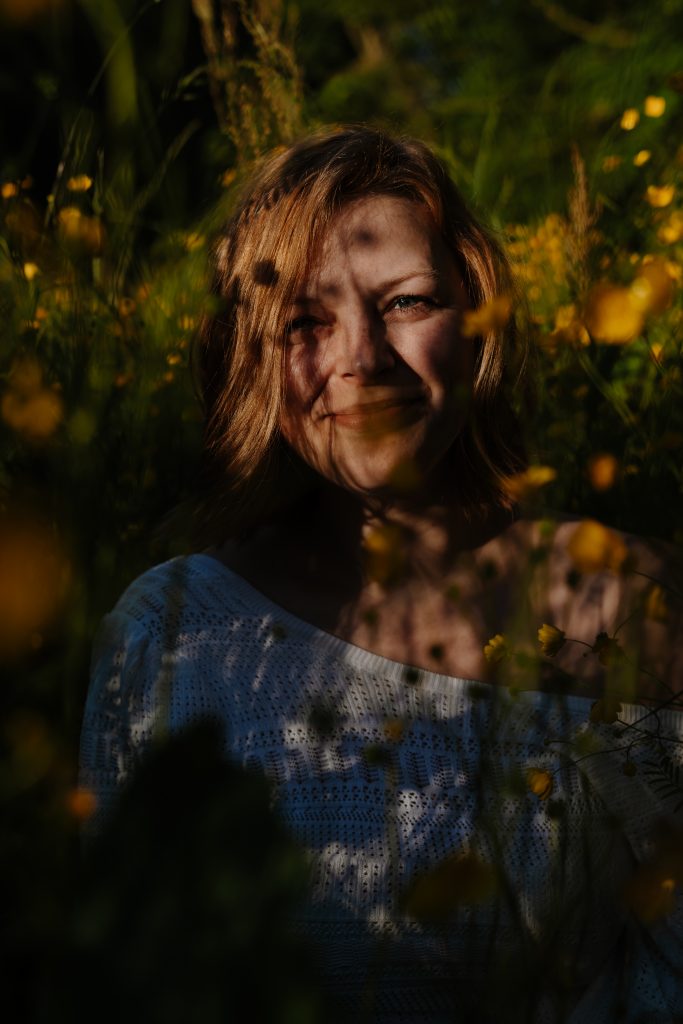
x=249 y=473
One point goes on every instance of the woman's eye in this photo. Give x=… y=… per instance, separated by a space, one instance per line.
x=301 y=323
x=403 y=303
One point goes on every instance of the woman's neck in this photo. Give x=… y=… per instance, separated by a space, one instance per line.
x=409 y=540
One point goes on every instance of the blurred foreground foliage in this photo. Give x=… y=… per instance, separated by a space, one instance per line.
x=126 y=128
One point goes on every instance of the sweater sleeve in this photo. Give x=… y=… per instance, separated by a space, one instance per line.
x=121 y=712
x=646 y=978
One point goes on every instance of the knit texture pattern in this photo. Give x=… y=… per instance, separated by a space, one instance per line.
x=382 y=772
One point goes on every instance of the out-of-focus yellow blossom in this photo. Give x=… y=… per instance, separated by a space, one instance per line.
x=540 y=782
x=642 y=157
x=228 y=177
x=126 y=306
x=492 y=316
x=27 y=406
x=607 y=649
x=655 y=606
x=551 y=639
x=460 y=880
x=394 y=729
x=34 y=579
x=9 y=190
x=569 y=328
x=653 y=289
x=81 y=803
x=24 y=10
x=629 y=119
x=610 y=163
x=671 y=231
x=31 y=271
x=654 y=106
x=656 y=351
x=81 y=231
x=174 y=358
x=605 y=711
x=193 y=240
x=611 y=316
x=660 y=195
x=496 y=649
x=384 y=554
x=593 y=547
x=525 y=485
x=651 y=893
x=79 y=183
x=602 y=471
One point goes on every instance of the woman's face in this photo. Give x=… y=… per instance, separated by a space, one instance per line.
x=377 y=374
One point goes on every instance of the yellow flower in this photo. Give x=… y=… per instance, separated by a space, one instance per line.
x=394 y=729
x=81 y=803
x=611 y=315
x=629 y=119
x=654 y=106
x=610 y=163
x=655 y=606
x=490 y=317
x=79 y=230
x=652 y=290
x=651 y=893
x=642 y=157
x=602 y=471
x=540 y=782
x=8 y=190
x=551 y=639
x=79 y=183
x=593 y=548
x=607 y=649
x=526 y=484
x=31 y=270
x=660 y=195
x=461 y=879
x=496 y=649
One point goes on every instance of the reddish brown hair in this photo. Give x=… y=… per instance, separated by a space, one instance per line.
x=260 y=260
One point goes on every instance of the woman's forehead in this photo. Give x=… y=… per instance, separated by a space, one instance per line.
x=378 y=236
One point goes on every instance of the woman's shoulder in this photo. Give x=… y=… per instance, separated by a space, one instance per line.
x=614 y=595
x=194 y=587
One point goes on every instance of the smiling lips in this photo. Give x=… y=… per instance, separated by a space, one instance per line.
x=393 y=410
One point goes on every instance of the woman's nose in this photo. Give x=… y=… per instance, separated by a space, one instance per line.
x=363 y=350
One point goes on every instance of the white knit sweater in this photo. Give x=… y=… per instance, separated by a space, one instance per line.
x=191 y=639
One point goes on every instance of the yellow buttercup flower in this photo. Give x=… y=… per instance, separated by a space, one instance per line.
x=602 y=471
x=526 y=484
x=593 y=548
x=540 y=782
x=642 y=157
x=611 y=314
x=660 y=195
x=490 y=317
x=551 y=639
x=79 y=183
x=654 y=106
x=629 y=119
x=496 y=649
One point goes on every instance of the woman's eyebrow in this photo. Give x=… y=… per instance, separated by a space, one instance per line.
x=380 y=289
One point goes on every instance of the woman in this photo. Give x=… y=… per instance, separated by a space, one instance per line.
x=363 y=623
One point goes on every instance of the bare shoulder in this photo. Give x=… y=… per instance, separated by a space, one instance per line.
x=618 y=598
